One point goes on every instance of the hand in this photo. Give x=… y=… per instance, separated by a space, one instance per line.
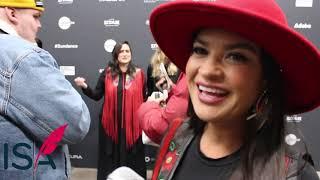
x=160 y=82
x=170 y=84
x=158 y=99
x=164 y=83
x=80 y=81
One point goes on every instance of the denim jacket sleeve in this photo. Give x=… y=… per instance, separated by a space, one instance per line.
x=40 y=99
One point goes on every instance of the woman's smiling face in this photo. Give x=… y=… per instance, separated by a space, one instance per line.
x=224 y=76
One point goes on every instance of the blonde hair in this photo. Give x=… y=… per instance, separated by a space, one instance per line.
x=159 y=57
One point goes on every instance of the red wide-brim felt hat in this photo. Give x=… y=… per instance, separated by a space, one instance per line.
x=174 y=24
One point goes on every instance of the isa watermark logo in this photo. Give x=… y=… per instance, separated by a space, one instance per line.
x=19 y=150
x=50 y=143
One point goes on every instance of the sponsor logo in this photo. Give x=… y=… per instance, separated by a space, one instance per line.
x=65 y=23
x=291 y=139
x=109 y=45
x=68 y=70
x=147 y=159
x=205 y=0
x=302 y=26
x=294 y=118
x=154 y=46
x=150 y=1
x=39 y=3
x=75 y=156
x=304 y=3
x=65 y=1
x=66 y=46
x=154 y=1
x=101 y=70
x=112 y=0
x=111 y=22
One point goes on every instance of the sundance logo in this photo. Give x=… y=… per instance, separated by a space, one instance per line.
x=65 y=23
x=66 y=46
x=109 y=45
x=112 y=0
x=302 y=26
x=111 y=23
x=65 y=1
x=291 y=139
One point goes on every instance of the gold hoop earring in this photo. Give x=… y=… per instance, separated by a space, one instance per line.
x=262 y=101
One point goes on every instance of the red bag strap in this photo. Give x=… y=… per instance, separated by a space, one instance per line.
x=166 y=143
x=287 y=161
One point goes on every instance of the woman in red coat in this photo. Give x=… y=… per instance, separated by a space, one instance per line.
x=245 y=70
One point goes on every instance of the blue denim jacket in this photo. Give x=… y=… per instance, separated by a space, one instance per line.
x=35 y=99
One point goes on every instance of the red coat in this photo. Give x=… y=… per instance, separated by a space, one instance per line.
x=154 y=120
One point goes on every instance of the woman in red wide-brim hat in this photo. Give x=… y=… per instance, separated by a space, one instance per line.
x=246 y=69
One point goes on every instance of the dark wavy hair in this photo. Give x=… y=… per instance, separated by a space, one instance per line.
x=263 y=151
x=114 y=64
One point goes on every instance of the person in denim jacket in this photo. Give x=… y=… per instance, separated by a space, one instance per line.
x=35 y=99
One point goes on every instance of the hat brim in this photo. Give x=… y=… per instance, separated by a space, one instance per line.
x=22 y=6
x=173 y=26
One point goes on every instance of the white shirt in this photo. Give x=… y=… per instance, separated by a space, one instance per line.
x=8 y=28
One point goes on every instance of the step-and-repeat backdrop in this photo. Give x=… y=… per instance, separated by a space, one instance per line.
x=81 y=33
